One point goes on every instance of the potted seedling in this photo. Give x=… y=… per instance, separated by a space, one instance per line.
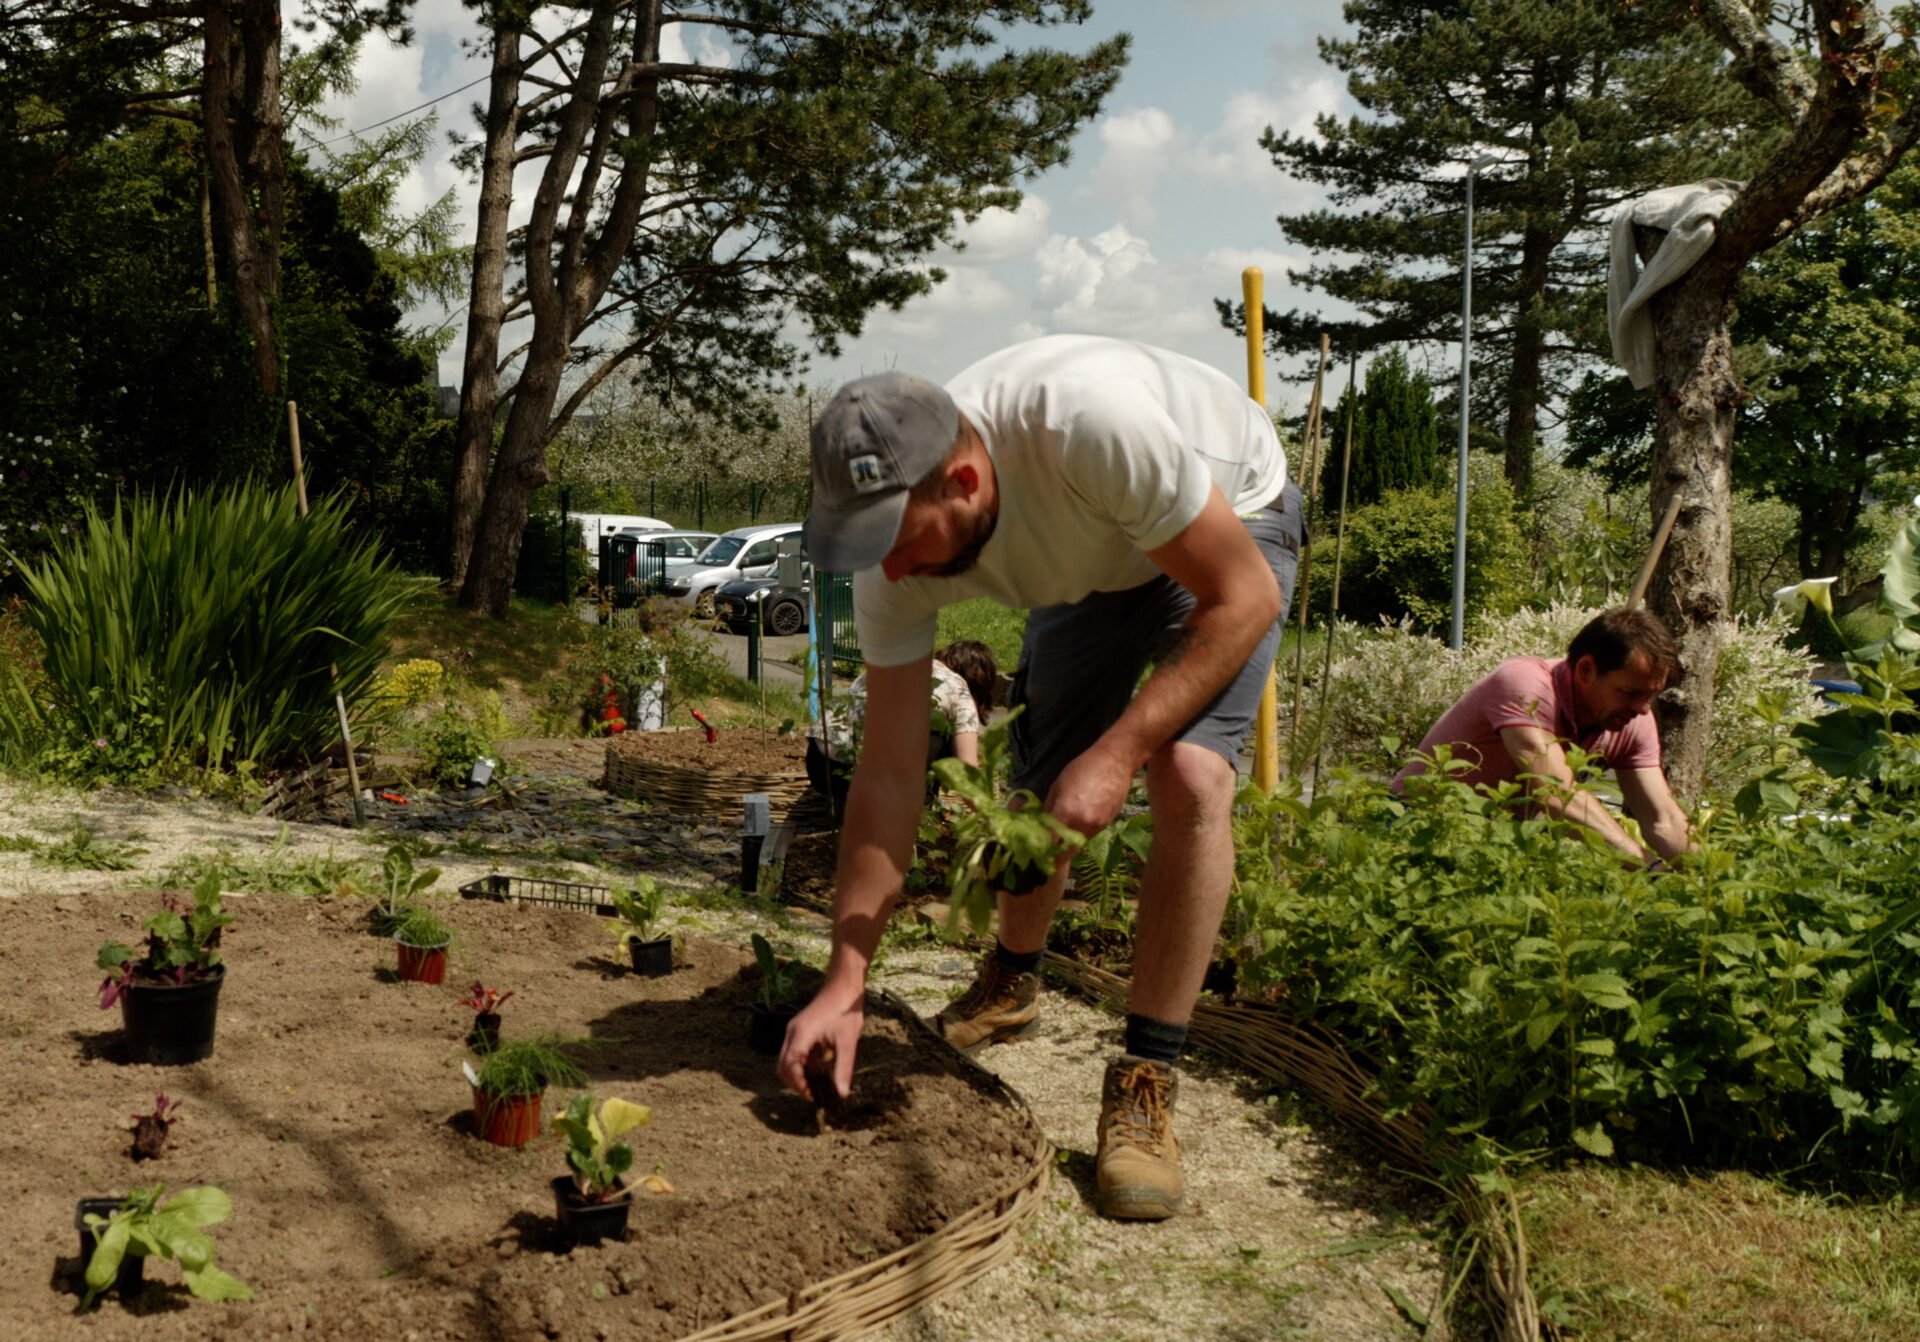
x=638 y=909
x=509 y=1083
x=484 y=1037
x=117 y=1236
x=169 y=994
x=401 y=883
x=1010 y=845
x=769 y=1014
x=150 y=1130
x=592 y=1202
x=422 y=941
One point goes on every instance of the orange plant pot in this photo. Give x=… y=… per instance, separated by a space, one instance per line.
x=422 y=964
x=506 y=1120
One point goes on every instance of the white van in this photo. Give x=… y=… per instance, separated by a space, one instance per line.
x=595 y=525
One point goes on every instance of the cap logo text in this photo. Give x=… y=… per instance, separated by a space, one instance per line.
x=866 y=474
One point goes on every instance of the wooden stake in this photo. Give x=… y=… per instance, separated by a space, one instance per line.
x=1664 y=530
x=339 y=701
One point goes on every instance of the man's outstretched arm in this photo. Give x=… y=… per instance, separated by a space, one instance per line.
x=1548 y=778
x=876 y=846
x=1650 y=801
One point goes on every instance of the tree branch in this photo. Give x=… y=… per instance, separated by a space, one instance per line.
x=1762 y=64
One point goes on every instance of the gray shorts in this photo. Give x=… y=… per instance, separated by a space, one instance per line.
x=1080 y=662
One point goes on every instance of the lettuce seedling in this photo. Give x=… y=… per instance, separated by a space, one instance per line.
x=141 y=1225
x=779 y=978
x=639 y=907
x=597 y=1160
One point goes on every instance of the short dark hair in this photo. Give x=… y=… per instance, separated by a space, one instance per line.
x=1614 y=637
x=973 y=662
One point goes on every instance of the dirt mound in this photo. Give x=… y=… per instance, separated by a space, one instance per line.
x=334 y=1113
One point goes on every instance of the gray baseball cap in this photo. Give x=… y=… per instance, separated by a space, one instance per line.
x=877 y=438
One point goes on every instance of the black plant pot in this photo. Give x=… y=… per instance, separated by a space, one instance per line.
x=652 y=958
x=168 y=1024
x=131 y=1279
x=584 y=1222
x=767 y=1026
x=484 y=1037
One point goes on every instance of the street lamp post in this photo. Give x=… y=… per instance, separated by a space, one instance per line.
x=1466 y=358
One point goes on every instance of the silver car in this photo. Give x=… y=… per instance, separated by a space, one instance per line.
x=745 y=552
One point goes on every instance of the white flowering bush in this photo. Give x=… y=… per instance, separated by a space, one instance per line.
x=1390 y=684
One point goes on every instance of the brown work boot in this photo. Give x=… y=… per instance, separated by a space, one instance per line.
x=1000 y=1007
x=1137 y=1170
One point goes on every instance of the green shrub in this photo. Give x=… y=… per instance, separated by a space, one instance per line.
x=635 y=649
x=450 y=741
x=1515 y=981
x=1397 y=561
x=200 y=631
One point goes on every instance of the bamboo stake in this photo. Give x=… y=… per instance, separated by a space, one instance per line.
x=1339 y=548
x=1266 y=730
x=339 y=702
x=1660 y=534
x=1304 y=588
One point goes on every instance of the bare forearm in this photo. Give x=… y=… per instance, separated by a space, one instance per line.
x=1584 y=809
x=876 y=845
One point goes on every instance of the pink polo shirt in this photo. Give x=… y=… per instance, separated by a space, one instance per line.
x=1536 y=691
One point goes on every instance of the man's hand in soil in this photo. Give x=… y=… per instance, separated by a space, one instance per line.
x=822 y=1026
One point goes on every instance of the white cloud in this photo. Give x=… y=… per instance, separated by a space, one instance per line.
x=1002 y=235
x=1137 y=149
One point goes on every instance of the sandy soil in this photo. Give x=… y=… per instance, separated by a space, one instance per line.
x=1293 y=1230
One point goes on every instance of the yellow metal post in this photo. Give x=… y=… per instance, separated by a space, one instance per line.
x=1266 y=728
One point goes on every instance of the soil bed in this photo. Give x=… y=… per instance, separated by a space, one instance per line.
x=334 y=1114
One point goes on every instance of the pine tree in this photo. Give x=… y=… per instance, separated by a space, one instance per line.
x=1396 y=438
x=1583 y=103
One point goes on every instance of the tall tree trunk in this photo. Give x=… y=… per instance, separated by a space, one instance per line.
x=1697 y=399
x=486 y=305
x=242 y=95
x=566 y=278
x=1529 y=352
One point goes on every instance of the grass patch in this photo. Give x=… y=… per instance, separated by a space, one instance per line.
x=520 y=651
x=1629 y=1254
x=990 y=622
x=84 y=850
x=276 y=872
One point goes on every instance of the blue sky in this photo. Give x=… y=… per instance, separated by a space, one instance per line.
x=1167 y=198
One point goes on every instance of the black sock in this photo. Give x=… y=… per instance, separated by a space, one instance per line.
x=1154 y=1040
x=1018 y=961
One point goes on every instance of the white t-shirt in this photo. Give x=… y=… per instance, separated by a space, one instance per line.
x=1102 y=450
x=951 y=700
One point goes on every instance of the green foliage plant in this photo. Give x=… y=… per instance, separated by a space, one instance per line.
x=174 y=1230
x=203 y=631
x=183 y=945
x=779 y=977
x=996 y=842
x=528 y=1066
x=637 y=908
x=450 y=740
x=83 y=850
x=421 y=927
x=401 y=883
x=1517 y=986
x=656 y=644
x=1396 y=436
x=594 y=1152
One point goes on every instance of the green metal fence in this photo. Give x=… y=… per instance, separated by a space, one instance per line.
x=837 y=609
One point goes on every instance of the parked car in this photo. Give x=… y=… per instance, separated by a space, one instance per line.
x=595 y=525
x=678 y=545
x=745 y=552
x=750 y=600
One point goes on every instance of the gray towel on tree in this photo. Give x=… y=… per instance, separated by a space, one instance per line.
x=1688 y=214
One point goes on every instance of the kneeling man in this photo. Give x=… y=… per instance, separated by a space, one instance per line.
x=1518 y=721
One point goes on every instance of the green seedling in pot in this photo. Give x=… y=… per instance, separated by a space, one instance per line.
x=596 y=1158
x=142 y=1225
x=637 y=909
x=1011 y=845
x=402 y=882
x=423 y=928
x=779 y=978
x=183 y=942
x=528 y=1067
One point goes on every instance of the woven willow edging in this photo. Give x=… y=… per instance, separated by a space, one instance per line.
x=859 y=1302
x=708 y=791
x=1267 y=1043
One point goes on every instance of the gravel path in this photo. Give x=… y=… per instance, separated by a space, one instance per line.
x=1292 y=1230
